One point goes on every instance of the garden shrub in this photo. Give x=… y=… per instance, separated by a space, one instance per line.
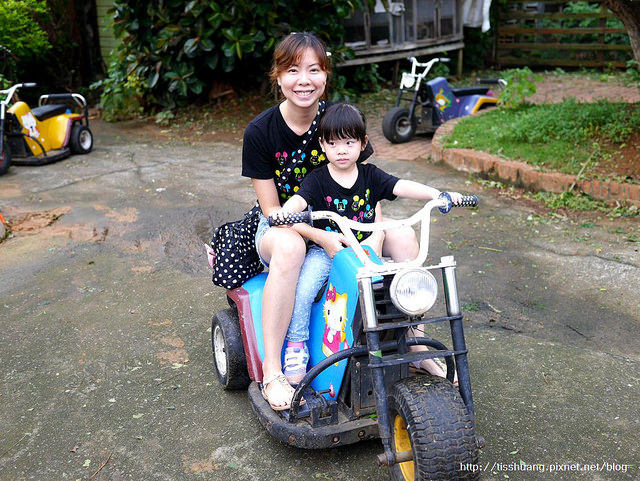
x=22 y=39
x=172 y=51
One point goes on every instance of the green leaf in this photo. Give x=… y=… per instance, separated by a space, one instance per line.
x=153 y=79
x=190 y=46
x=212 y=61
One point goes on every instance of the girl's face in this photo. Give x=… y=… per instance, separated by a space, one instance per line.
x=303 y=83
x=342 y=153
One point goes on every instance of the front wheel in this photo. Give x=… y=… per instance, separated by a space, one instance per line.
x=5 y=159
x=81 y=139
x=397 y=127
x=431 y=420
x=228 y=350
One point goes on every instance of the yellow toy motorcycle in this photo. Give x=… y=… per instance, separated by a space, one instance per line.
x=55 y=129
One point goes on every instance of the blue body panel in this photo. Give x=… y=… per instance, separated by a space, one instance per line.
x=444 y=98
x=467 y=104
x=450 y=106
x=330 y=327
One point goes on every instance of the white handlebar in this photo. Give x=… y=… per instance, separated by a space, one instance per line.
x=423 y=216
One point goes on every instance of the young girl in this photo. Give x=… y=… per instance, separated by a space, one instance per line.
x=353 y=190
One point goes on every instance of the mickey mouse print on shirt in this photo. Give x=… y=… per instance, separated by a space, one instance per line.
x=357 y=202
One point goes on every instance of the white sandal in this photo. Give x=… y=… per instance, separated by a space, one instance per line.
x=279 y=377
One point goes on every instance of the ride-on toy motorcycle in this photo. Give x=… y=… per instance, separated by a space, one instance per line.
x=57 y=128
x=428 y=104
x=359 y=385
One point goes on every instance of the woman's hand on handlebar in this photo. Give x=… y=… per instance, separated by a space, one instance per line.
x=279 y=216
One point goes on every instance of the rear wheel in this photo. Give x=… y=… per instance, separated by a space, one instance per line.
x=81 y=139
x=430 y=420
x=228 y=350
x=5 y=159
x=397 y=127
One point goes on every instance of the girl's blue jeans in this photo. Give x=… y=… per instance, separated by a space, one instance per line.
x=313 y=274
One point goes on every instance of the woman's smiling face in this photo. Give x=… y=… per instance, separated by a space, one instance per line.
x=304 y=82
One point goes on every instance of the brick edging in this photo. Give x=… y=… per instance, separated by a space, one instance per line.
x=525 y=175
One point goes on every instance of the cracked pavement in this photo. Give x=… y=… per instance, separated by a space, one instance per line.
x=106 y=301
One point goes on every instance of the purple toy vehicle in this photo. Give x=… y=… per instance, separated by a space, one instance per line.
x=436 y=99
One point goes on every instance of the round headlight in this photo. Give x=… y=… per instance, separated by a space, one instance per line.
x=414 y=291
x=407 y=80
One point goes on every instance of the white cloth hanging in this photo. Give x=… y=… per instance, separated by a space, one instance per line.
x=475 y=13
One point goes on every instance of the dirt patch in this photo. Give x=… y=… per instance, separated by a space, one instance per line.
x=624 y=163
x=33 y=221
x=555 y=88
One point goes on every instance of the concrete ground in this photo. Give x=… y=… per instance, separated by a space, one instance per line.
x=106 y=302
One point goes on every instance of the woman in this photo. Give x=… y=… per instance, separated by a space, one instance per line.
x=301 y=68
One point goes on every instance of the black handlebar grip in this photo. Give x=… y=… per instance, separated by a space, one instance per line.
x=468 y=201
x=489 y=80
x=292 y=218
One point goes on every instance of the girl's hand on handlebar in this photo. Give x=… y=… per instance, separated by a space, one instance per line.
x=456 y=198
x=331 y=242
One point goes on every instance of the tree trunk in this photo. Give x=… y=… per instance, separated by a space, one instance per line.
x=628 y=11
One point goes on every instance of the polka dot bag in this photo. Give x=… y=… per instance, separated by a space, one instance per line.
x=235 y=257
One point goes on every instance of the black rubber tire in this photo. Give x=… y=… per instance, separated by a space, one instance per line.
x=81 y=141
x=429 y=417
x=397 y=127
x=228 y=351
x=5 y=159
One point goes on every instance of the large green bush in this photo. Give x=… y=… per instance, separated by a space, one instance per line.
x=172 y=51
x=21 y=36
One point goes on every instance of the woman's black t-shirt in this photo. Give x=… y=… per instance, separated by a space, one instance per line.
x=269 y=142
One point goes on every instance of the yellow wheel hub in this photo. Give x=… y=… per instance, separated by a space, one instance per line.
x=402 y=443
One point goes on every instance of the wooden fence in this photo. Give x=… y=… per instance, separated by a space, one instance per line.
x=561 y=34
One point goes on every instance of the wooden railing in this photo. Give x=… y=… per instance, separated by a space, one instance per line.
x=544 y=33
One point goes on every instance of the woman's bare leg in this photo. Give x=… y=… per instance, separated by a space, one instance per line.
x=284 y=250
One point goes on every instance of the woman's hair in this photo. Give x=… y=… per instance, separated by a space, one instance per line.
x=343 y=121
x=290 y=50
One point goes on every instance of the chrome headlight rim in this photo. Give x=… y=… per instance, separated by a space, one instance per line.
x=427 y=297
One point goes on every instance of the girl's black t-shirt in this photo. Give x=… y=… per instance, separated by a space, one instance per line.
x=357 y=202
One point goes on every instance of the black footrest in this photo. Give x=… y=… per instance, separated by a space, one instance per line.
x=414 y=356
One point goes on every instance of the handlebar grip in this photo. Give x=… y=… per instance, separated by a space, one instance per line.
x=444 y=59
x=291 y=218
x=489 y=81
x=29 y=84
x=468 y=201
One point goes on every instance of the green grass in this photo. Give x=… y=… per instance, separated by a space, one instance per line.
x=560 y=137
